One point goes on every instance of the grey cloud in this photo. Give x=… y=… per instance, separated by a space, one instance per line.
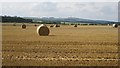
x=45 y=7
x=16 y=9
x=92 y=10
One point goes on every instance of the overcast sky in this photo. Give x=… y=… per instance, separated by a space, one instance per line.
x=59 y=0
x=88 y=10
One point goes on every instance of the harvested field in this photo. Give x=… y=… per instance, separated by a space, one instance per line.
x=65 y=46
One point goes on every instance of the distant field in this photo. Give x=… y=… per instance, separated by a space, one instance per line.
x=65 y=46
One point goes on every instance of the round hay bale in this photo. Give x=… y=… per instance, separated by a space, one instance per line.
x=57 y=25
x=14 y=24
x=115 y=25
x=51 y=25
x=43 y=30
x=75 y=25
x=23 y=26
x=35 y=25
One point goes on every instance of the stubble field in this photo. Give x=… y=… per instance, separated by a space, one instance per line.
x=65 y=46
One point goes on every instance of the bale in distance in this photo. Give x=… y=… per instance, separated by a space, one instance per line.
x=115 y=25
x=43 y=30
x=14 y=24
x=51 y=25
x=57 y=25
x=35 y=25
x=23 y=26
x=75 y=25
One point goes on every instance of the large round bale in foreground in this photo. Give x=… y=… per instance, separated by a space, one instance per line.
x=43 y=30
x=115 y=25
x=23 y=26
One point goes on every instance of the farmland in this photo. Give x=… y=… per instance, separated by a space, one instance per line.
x=65 y=46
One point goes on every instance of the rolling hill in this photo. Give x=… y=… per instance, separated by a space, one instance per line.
x=70 y=19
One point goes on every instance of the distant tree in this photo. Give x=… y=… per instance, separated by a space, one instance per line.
x=15 y=19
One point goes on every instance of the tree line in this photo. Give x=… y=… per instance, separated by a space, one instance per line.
x=14 y=19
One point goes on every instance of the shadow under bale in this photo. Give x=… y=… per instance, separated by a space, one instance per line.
x=43 y=30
